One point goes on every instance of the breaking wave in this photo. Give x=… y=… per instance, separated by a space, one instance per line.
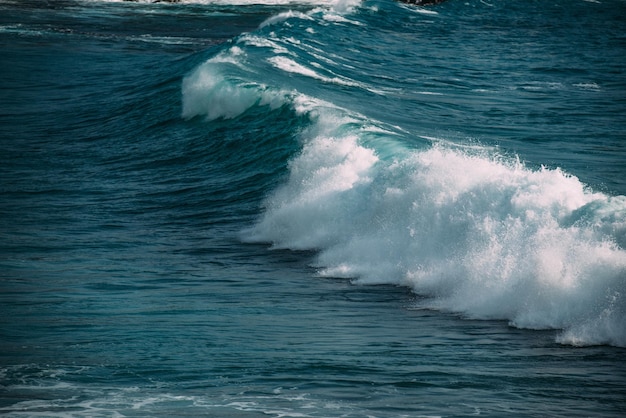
x=471 y=230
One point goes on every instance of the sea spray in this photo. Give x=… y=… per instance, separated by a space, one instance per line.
x=477 y=233
x=215 y=91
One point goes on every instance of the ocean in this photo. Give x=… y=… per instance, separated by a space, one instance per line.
x=266 y=208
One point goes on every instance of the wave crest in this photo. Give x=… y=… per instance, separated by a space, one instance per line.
x=475 y=233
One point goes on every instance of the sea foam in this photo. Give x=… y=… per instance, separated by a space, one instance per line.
x=473 y=232
x=219 y=88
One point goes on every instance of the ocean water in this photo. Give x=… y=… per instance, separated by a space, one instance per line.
x=312 y=209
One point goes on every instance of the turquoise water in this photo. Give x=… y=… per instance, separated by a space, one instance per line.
x=314 y=209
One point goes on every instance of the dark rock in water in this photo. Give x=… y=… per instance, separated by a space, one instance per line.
x=423 y=2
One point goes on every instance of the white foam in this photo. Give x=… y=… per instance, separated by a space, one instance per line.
x=209 y=92
x=424 y=11
x=291 y=66
x=333 y=11
x=281 y=17
x=261 y=42
x=164 y=40
x=232 y=2
x=479 y=234
x=587 y=86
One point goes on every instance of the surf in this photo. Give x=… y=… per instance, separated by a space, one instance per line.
x=474 y=234
x=471 y=230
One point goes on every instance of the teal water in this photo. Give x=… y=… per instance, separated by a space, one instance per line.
x=333 y=209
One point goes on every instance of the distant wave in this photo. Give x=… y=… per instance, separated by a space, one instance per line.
x=238 y=2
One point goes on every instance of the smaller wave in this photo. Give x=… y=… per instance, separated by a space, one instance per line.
x=22 y=30
x=222 y=86
x=588 y=86
x=338 y=3
x=281 y=17
x=164 y=40
x=291 y=66
x=261 y=42
x=541 y=86
x=214 y=91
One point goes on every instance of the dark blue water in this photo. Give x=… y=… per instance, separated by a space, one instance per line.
x=333 y=209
